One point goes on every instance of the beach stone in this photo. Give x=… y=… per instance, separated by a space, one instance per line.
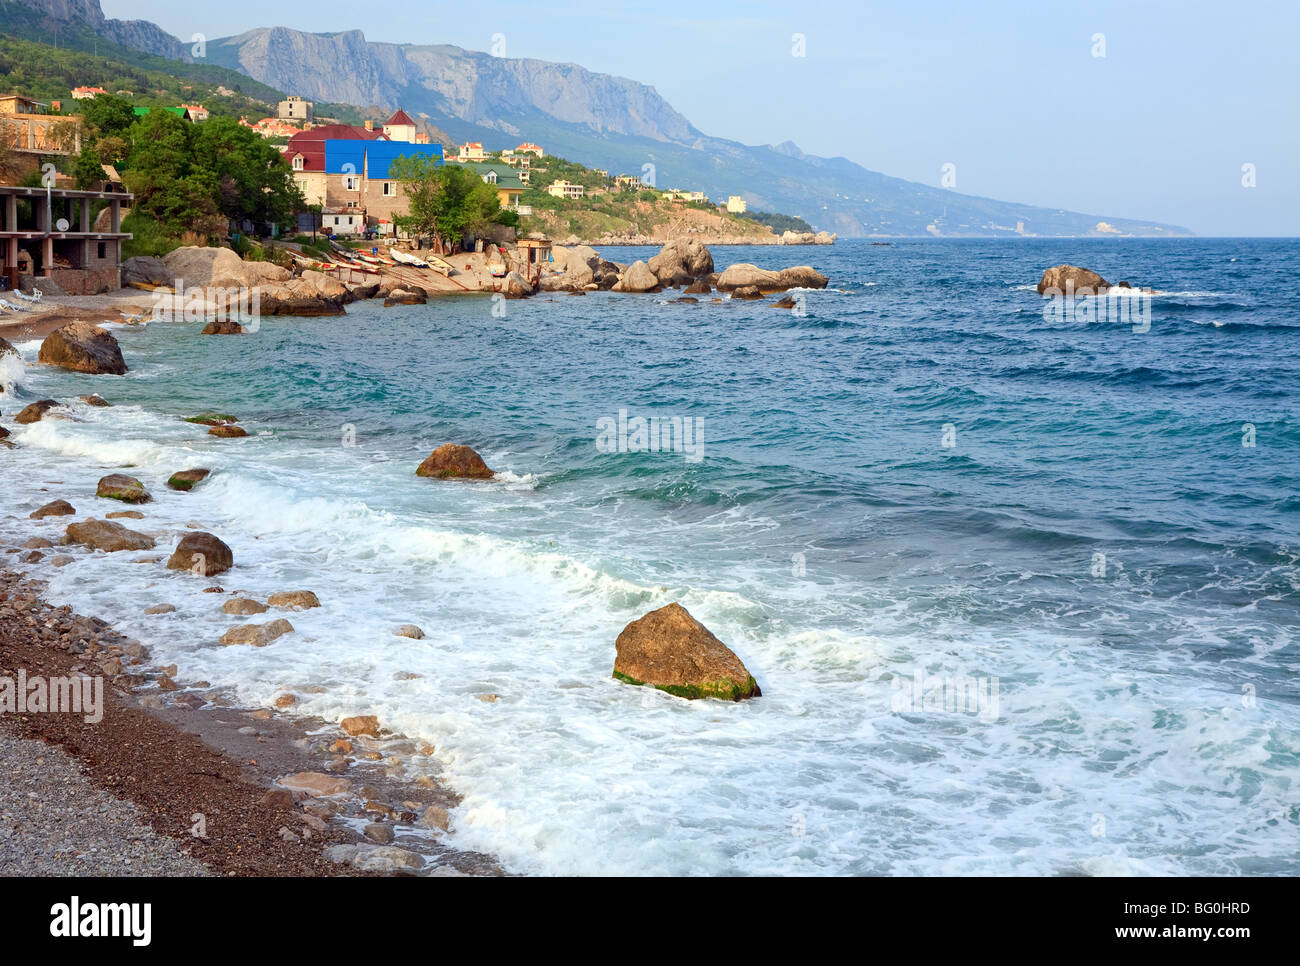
x=257 y=635
x=672 y=651
x=214 y=556
x=107 y=536
x=228 y=432
x=33 y=413
x=285 y=701
x=186 y=479
x=62 y=560
x=243 y=606
x=362 y=724
x=404 y=296
x=277 y=798
x=294 y=600
x=411 y=631
x=37 y=543
x=167 y=684
x=7 y=348
x=95 y=400
x=378 y=832
x=316 y=785
x=341 y=747
x=58 y=508
x=83 y=347
x=124 y=515
x=452 y=461
x=1083 y=281
x=374 y=858
x=160 y=609
x=748 y=293
x=119 y=486
x=698 y=287
x=34 y=557
x=786 y=302
x=435 y=816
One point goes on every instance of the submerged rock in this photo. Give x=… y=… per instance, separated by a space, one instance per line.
x=95 y=400
x=187 y=479
x=243 y=606
x=83 y=347
x=106 y=536
x=202 y=553
x=257 y=635
x=223 y=326
x=294 y=600
x=34 y=412
x=119 y=486
x=212 y=419
x=672 y=651
x=228 y=431
x=453 y=461
x=59 y=508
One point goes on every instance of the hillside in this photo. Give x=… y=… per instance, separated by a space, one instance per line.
x=604 y=121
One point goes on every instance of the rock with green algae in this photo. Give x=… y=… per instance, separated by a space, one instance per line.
x=670 y=650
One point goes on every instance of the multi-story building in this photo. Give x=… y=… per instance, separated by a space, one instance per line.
x=564 y=189
x=294 y=108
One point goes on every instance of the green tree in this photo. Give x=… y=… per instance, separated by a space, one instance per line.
x=446 y=202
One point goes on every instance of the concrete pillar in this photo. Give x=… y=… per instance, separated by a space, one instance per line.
x=116 y=207
x=47 y=256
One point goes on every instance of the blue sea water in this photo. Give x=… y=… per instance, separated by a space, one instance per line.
x=918 y=475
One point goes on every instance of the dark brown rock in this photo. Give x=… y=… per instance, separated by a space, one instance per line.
x=83 y=347
x=34 y=412
x=119 y=486
x=59 y=508
x=451 y=461
x=202 y=553
x=187 y=479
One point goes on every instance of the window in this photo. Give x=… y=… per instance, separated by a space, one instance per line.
x=352 y=183
x=103 y=250
x=390 y=188
x=297 y=162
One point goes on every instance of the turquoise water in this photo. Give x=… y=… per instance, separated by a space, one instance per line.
x=917 y=473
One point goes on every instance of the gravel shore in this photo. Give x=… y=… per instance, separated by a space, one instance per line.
x=55 y=822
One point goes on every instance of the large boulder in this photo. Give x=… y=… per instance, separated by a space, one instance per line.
x=257 y=635
x=83 y=347
x=310 y=294
x=1059 y=279
x=404 y=296
x=672 y=651
x=681 y=261
x=451 y=461
x=106 y=535
x=196 y=267
x=745 y=275
x=515 y=286
x=33 y=412
x=145 y=271
x=119 y=486
x=202 y=553
x=224 y=325
x=638 y=278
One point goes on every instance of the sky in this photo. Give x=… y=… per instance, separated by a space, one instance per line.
x=1181 y=112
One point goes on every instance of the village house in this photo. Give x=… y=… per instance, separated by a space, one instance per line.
x=26 y=130
x=471 y=151
x=507 y=182
x=564 y=189
x=345 y=170
x=400 y=127
x=272 y=127
x=736 y=204
x=86 y=93
x=294 y=108
x=627 y=182
x=197 y=112
x=529 y=148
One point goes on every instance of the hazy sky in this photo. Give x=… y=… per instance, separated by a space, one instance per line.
x=1010 y=91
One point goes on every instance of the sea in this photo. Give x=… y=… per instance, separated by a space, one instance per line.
x=1021 y=587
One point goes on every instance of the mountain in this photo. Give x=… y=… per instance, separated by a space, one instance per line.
x=607 y=122
x=135 y=34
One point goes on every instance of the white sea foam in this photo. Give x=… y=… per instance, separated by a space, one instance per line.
x=569 y=771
